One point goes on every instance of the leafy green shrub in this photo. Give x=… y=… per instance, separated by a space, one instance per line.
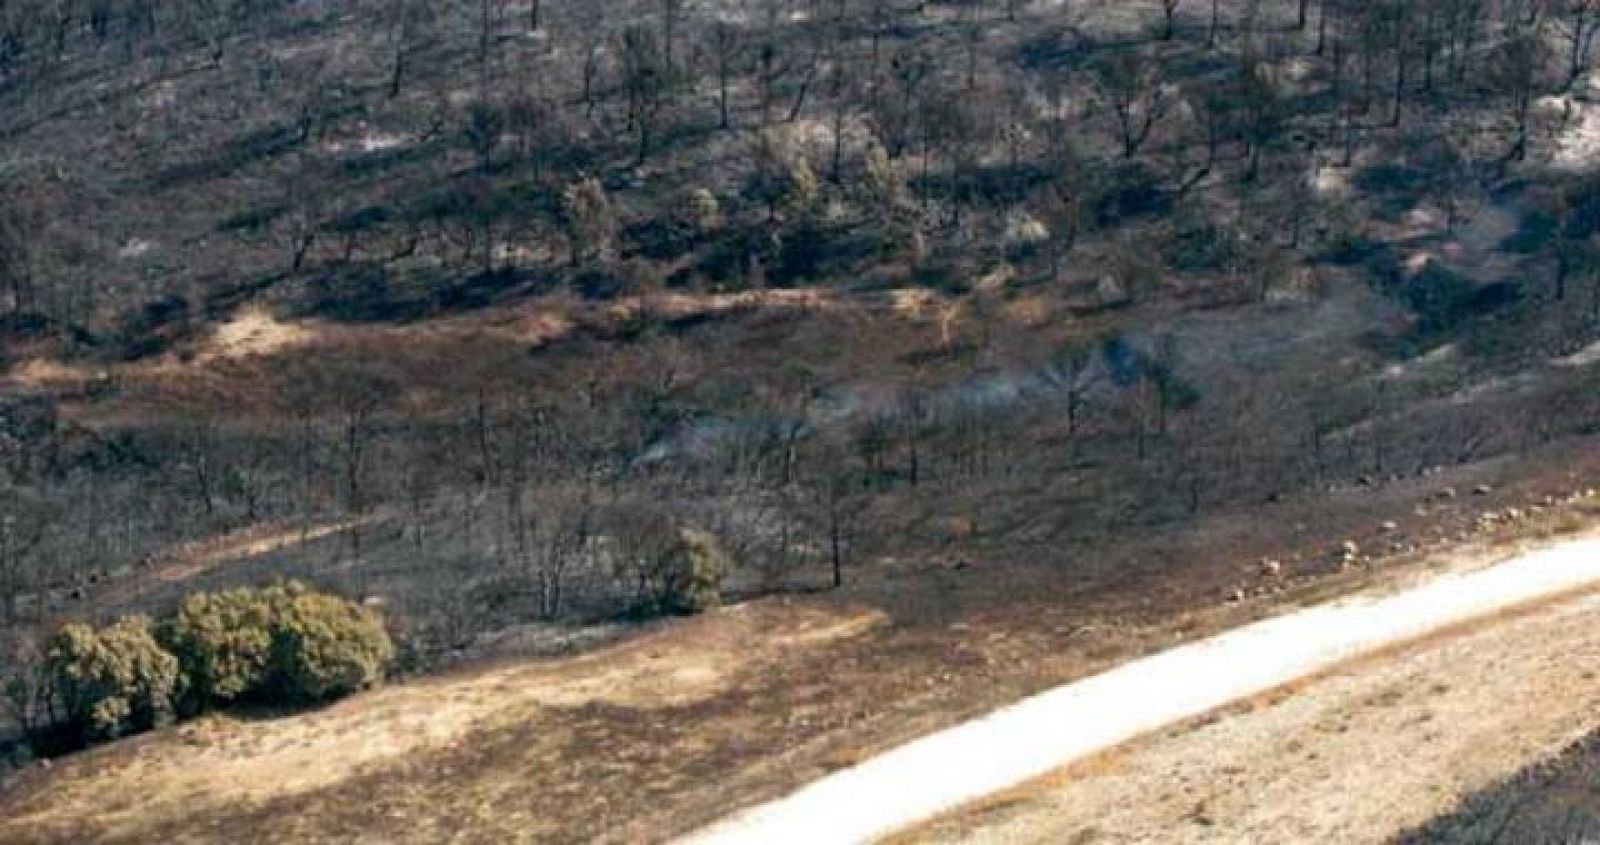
x=223 y=641
x=281 y=644
x=111 y=682
x=699 y=213
x=695 y=567
x=323 y=646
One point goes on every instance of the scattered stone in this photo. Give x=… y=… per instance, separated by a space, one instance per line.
x=1271 y=568
x=1349 y=555
x=1111 y=293
x=1390 y=526
x=1482 y=490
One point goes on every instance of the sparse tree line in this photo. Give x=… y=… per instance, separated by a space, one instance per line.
x=518 y=505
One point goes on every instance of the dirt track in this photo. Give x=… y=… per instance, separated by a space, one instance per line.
x=1354 y=756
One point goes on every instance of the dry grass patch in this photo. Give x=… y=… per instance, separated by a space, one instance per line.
x=221 y=764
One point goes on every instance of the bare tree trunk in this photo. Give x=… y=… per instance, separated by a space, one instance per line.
x=1322 y=27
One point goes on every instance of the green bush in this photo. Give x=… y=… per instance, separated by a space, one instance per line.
x=323 y=646
x=111 y=682
x=223 y=641
x=695 y=567
x=282 y=644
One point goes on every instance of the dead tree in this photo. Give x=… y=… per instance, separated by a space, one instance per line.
x=16 y=270
x=1130 y=87
x=1577 y=22
x=1169 y=18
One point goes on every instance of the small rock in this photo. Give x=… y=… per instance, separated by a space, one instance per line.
x=1482 y=490
x=1271 y=567
x=1111 y=293
x=1390 y=526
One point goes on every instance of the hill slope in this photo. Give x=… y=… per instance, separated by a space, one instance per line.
x=1057 y=313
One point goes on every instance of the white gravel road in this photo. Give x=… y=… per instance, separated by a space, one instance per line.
x=1033 y=737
